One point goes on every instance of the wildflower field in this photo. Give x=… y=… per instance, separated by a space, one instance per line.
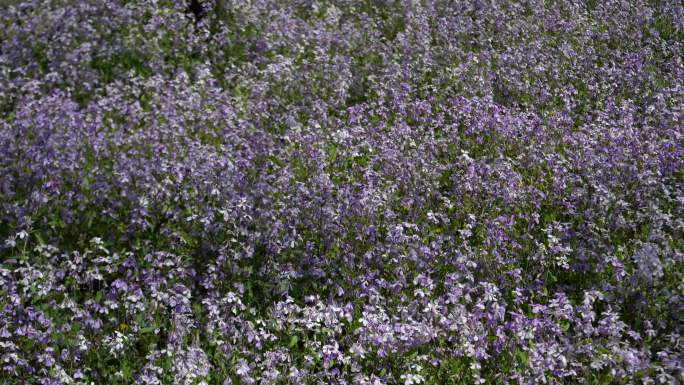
x=341 y=192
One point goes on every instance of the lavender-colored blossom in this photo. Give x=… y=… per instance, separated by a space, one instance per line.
x=348 y=192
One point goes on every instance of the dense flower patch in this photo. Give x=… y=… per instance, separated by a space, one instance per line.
x=341 y=192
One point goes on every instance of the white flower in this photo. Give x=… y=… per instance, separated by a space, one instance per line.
x=242 y=368
x=410 y=379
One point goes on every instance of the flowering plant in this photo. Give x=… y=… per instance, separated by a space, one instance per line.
x=341 y=192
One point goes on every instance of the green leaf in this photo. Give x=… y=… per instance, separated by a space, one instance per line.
x=565 y=326
x=197 y=309
x=522 y=356
x=284 y=286
x=293 y=341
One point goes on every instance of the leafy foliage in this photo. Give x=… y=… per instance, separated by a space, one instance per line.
x=319 y=192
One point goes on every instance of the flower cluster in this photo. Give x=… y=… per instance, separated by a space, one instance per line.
x=341 y=192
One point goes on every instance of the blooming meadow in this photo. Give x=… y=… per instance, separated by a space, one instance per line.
x=341 y=192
